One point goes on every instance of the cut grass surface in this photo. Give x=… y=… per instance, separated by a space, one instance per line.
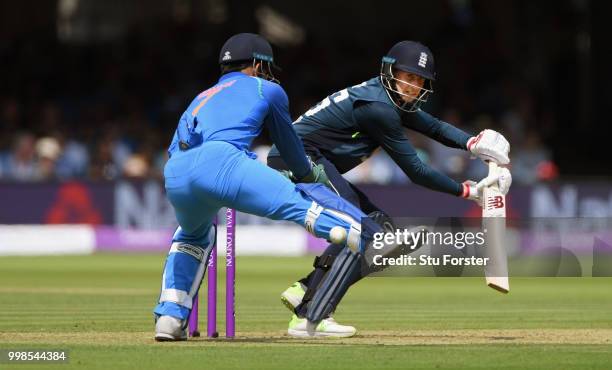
x=100 y=308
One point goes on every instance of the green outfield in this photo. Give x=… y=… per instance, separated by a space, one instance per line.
x=99 y=308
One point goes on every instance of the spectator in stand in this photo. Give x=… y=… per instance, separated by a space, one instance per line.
x=48 y=151
x=532 y=162
x=21 y=164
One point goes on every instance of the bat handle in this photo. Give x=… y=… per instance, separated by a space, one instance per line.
x=492 y=177
x=493 y=168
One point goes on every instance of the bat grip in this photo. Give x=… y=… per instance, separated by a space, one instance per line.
x=493 y=168
x=492 y=177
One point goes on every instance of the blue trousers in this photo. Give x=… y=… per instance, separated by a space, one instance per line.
x=198 y=183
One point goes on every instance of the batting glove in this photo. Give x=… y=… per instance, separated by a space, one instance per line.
x=490 y=145
x=473 y=190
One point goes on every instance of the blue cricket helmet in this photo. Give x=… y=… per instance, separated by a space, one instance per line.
x=245 y=47
x=413 y=57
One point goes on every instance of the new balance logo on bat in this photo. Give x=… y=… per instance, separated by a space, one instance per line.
x=495 y=202
x=423 y=60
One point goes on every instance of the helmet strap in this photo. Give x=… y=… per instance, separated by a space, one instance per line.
x=264 y=71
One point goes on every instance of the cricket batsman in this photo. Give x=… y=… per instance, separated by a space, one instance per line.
x=345 y=128
x=210 y=167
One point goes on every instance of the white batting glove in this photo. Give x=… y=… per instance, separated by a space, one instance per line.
x=490 y=145
x=473 y=190
x=503 y=178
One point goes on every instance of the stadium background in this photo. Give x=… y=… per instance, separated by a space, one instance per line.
x=90 y=93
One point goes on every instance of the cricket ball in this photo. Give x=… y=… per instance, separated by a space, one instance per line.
x=337 y=235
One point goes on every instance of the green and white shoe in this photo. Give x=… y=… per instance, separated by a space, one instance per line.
x=293 y=295
x=301 y=328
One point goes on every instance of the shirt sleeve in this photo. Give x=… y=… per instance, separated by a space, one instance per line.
x=278 y=122
x=437 y=129
x=384 y=126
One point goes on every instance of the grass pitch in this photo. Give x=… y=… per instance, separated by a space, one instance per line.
x=99 y=308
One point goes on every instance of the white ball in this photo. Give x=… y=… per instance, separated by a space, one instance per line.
x=337 y=235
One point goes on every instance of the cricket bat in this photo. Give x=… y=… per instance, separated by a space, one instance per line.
x=494 y=222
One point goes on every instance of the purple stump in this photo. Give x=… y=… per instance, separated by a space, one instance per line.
x=230 y=279
x=193 y=318
x=211 y=311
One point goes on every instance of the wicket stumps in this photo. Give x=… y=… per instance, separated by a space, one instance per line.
x=230 y=284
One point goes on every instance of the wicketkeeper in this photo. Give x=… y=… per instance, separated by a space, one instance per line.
x=210 y=167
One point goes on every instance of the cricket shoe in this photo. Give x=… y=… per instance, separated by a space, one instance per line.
x=293 y=295
x=170 y=329
x=301 y=328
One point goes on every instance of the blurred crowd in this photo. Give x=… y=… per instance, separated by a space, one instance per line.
x=106 y=111
x=130 y=148
x=97 y=150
